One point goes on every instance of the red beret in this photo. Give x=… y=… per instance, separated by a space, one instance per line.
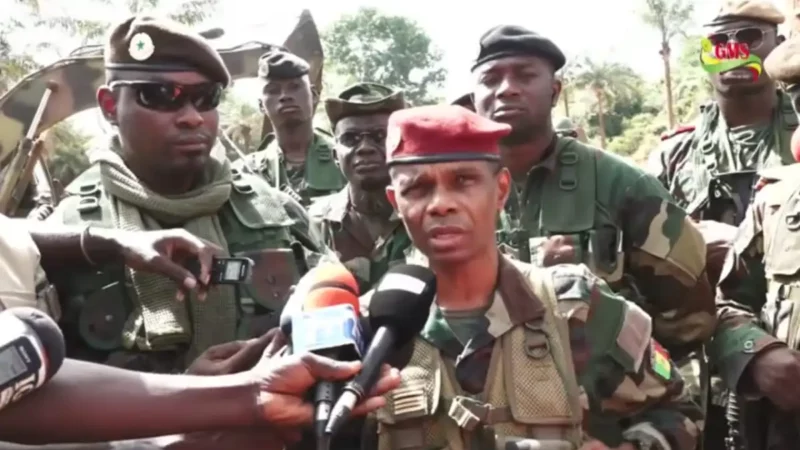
x=442 y=133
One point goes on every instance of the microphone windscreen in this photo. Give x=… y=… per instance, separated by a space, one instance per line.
x=48 y=333
x=330 y=296
x=324 y=275
x=335 y=276
x=402 y=301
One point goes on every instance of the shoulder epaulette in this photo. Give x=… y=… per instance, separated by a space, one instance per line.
x=679 y=130
x=775 y=174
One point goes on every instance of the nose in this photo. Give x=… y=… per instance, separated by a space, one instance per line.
x=365 y=148
x=189 y=117
x=507 y=88
x=441 y=203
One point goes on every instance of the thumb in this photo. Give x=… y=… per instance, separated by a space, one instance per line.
x=226 y=350
x=180 y=275
x=329 y=369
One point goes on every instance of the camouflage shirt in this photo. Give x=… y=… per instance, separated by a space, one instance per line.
x=345 y=232
x=744 y=282
x=698 y=163
x=612 y=211
x=319 y=175
x=616 y=396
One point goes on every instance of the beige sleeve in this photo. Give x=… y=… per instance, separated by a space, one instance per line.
x=19 y=264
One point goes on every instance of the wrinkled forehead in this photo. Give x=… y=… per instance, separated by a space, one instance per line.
x=409 y=173
x=736 y=24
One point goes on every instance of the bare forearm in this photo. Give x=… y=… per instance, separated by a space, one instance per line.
x=60 y=245
x=92 y=403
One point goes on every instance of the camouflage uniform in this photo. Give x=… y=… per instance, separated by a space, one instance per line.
x=759 y=276
x=611 y=385
x=130 y=319
x=345 y=230
x=318 y=175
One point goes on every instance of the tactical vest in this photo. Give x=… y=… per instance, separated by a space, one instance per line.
x=571 y=192
x=781 y=234
x=531 y=393
x=98 y=304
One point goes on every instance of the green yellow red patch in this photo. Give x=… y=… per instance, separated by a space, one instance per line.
x=660 y=361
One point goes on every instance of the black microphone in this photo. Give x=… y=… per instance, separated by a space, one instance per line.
x=31 y=351
x=398 y=310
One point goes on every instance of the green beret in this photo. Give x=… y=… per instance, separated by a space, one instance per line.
x=144 y=43
x=362 y=99
x=511 y=40
x=758 y=10
x=783 y=63
x=280 y=64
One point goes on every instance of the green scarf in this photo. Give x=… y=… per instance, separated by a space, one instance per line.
x=159 y=321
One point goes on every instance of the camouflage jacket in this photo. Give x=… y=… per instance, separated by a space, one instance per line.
x=710 y=168
x=757 y=278
x=628 y=391
x=96 y=305
x=623 y=224
x=318 y=177
x=344 y=232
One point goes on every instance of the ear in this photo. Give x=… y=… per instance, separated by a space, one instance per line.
x=503 y=188
x=557 y=86
x=108 y=104
x=391 y=196
x=780 y=38
x=261 y=106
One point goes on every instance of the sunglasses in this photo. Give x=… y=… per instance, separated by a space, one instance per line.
x=172 y=97
x=352 y=139
x=752 y=36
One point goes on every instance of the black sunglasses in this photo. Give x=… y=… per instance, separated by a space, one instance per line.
x=752 y=36
x=352 y=139
x=171 y=97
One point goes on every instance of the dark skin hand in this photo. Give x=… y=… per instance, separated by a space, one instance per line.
x=164 y=252
x=236 y=356
x=742 y=100
x=167 y=150
x=774 y=373
x=520 y=91
x=289 y=104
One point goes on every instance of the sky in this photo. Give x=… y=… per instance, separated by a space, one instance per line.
x=609 y=29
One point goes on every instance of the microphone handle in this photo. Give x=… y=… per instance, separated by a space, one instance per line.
x=324 y=396
x=379 y=349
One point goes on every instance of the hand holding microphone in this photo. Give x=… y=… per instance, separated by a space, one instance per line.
x=398 y=310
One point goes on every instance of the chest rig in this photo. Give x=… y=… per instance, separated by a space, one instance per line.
x=97 y=305
x=531 y=393
x=569 y=207
x=781 y=234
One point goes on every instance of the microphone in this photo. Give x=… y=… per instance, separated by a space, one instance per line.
x=31 y=352
x=398 y=310
x=328 y=326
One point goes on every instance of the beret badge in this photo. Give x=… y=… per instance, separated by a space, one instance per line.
x=141 y=47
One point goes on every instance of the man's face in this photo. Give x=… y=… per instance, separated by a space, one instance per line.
x=760 y=38
x=288 y=102
x=167 y=122
x=519 y=91
x=449 y=209
x=361 y=150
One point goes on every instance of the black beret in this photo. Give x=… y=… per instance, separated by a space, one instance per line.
x=364 y=98
x=511 y=40
x=280 y=64
x=144 y=43
x=465 y=101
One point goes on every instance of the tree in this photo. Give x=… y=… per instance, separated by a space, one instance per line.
x=567 y=76
x=669 y=17
x=605 y=80
x=391 y=50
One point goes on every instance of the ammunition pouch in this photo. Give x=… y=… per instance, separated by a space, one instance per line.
x=729 y=195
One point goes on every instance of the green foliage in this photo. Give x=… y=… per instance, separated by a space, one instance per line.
x=67 y=152
x=241 y=120
x=640 y=131
x=691 y=83
x=669 y=17
x=392 y=50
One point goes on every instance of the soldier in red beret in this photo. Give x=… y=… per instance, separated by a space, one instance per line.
x=448 y=186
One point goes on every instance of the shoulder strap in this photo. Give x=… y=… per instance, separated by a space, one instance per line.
x=255 y=204
x=570 y=189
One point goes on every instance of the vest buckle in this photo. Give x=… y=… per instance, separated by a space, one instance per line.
x=467 y=412
x=537 y=343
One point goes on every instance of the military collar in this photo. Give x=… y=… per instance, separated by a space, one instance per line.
x=340 y=205
x=550 y=161
x=514 y=303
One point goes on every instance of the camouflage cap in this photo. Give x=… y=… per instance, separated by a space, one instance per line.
x=145 y=43
x=281 y=64
x=363 y=99
x=783 y=63
x=465 y=101
x=758 y=10
x=564 y=124
x=511 y=40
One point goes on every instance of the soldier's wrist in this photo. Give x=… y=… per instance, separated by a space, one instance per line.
x=101 y=246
